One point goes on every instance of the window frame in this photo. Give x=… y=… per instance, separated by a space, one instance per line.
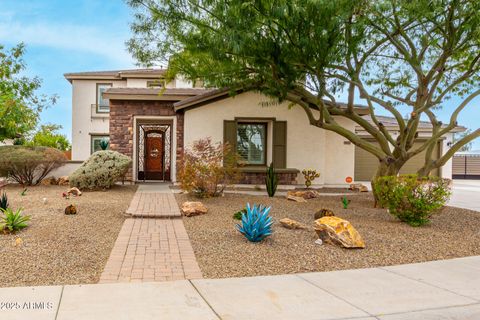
x=98 y=136
x=156 y=84
x=261 y=122
x=97 y=97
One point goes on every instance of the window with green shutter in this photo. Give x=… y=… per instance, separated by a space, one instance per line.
x=249 y=140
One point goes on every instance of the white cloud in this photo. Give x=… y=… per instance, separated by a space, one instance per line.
x=99 y=41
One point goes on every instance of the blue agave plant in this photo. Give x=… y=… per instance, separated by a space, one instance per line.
x=256 y=224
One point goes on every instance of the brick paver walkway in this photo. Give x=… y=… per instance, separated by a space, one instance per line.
x=153 y=245
x=153 y=205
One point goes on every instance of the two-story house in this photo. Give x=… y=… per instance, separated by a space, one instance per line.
x=152 y=122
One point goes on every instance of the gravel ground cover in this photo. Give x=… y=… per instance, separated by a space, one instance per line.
x=221 y=251
x=58 y=248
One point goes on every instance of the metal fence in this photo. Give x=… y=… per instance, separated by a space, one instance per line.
x=466 y=167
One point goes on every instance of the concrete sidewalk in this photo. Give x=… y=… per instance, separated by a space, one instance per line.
x=448 y=289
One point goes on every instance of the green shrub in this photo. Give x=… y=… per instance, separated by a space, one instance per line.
x=412 y=199
x=12 y=221
x=238 y=215
x=100 y=171
x=29 y=165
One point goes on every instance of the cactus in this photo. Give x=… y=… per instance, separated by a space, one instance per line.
x=345 y=202
x=271 y=180
x=104 y=144
x=256 y=223
x=4 y=201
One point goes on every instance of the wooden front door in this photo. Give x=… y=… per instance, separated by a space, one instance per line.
x=154 y=156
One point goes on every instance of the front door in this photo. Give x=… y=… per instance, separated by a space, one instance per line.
x=154 y=156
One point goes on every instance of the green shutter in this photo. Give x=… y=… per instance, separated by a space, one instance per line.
x=230 y=133
x=280 y=144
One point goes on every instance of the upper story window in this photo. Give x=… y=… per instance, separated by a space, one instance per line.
x=252 y=142
x=158 y=83
x=103 y=105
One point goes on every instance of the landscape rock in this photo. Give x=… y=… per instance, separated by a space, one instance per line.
x=338 y=231
x=71 y=209
x=358 y=187
x=192 y=208
x=306 y=194
x=51 y=181
x=74 y=191
x=63 y=181
x=323 y=213
x=291 y=224
x=296 y=199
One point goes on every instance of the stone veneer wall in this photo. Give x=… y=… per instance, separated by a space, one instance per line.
x=122 y=126
x=284 y=178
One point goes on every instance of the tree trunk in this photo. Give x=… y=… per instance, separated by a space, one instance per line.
x=385 y=169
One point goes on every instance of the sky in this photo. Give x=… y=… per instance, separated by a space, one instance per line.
x=88 y=35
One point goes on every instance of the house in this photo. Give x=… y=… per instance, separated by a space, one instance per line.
x=153 y=122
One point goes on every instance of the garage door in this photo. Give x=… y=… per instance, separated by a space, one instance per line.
x=366 y=164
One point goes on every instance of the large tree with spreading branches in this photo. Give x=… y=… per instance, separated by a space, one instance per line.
x=389 y=54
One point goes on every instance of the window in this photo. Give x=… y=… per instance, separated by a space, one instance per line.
x=103 y=105
x=159 y=83
x=96 y=143
x=252 y=142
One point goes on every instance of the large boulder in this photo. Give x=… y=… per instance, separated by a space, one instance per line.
x=100 y=171
x=338 y=231
x=193 y=208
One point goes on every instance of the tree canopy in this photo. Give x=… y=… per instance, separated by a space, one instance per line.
x=387 y=53
x=20 y=105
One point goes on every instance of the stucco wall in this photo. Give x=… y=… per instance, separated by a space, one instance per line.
x=306 y=144
x=84 y=93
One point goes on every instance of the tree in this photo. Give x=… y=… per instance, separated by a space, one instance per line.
x=48 y=136
x=392 y=54
x=20 y=106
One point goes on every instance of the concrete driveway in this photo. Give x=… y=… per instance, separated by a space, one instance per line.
x=466 y=194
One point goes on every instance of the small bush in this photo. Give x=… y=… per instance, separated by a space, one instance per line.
x=100 y=171
x=412 y=199
x=13 y=220
x=29 y=165
x=207 y=168
x=238 y=215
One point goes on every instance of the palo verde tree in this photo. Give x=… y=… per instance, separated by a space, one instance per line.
x=389 y=54
x=20 y=106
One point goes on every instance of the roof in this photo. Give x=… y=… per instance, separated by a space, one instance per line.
x=116 y=74
x=391 y=123
x=166 y=94
x=217 y=94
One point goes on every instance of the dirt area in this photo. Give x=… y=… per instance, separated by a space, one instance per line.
x=222 y=251
x=58 y=248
